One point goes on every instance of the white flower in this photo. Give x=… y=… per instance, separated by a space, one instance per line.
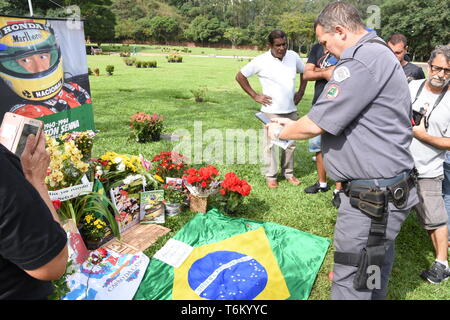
x=121 y=166
x=118 y=160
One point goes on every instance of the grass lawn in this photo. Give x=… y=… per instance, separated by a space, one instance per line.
x=166 y=90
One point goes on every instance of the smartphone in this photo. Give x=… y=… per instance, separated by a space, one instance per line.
x=261 y=116
x=15 y=130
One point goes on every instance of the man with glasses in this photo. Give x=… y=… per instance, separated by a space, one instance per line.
x=398 y=44
x=431 y=106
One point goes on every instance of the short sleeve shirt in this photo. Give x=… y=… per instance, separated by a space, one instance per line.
x=413 y=72
x=318 y=58
x=277 y=78
x=428 y=159
x=29 y=236
x=365 y=110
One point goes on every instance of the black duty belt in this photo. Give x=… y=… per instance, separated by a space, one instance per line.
x=370 y=199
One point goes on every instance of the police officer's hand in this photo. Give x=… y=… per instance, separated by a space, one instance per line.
x=35 y=162
x=270 y=127
x=263 y=99
x=282 y=121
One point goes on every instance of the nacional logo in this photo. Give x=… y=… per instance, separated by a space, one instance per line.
x=49 y=91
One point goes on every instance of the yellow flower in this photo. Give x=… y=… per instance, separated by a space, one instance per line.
x=158 y=178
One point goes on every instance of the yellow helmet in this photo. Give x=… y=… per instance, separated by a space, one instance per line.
x=30 y=59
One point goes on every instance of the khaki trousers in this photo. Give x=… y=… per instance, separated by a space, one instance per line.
x=271 y=154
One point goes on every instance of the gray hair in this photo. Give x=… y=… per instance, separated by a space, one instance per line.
x=339 y=13
x=444 y=50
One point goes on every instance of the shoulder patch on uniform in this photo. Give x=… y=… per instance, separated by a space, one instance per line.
x=333 y=91
x=341 y=73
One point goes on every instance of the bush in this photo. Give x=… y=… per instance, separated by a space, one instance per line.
x=138 y=64
x=110 y=69
x=125 y=54
x=97 y=71
x=174 y=58
x=129 y=61
x=152 y=64
x=90 y=73
x=146 y=127
x=199 y=94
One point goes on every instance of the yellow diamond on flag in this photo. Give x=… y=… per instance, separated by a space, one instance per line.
x=242 y=267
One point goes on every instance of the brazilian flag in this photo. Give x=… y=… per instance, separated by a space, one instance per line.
x=237 y=259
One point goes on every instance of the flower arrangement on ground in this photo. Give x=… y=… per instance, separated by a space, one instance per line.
x=146 y=127
x=94 y=230
x=201 y=184
x=84 y=141
x=169 y=164
x=174 y=192
x=232 y=192
x=66 y=164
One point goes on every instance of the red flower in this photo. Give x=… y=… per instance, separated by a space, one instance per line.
x=56 y=204
x=103 y=252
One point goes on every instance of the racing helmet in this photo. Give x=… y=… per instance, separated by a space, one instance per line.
x=30 y=59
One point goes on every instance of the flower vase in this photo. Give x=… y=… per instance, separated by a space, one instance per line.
x=198 y=204
x=173 y=209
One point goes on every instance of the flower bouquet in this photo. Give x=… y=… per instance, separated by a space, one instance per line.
x=175 y=195
x=146 y=127
x=201 y=184
x=232 y=192
x=169 y=164
x=84 y=141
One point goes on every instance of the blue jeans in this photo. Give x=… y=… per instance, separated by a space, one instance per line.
x=446 y=190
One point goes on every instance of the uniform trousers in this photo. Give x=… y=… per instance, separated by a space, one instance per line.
x=351 y=234
x=271 y=153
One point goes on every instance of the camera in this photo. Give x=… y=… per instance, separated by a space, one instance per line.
x=417 y=116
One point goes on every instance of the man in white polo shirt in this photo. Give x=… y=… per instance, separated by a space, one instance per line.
x=277 y=70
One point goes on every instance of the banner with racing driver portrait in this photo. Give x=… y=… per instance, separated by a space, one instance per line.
x=44 y=73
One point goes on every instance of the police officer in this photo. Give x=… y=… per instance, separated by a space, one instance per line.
x=363 y=115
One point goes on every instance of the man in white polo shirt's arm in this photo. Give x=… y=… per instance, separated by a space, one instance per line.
x=277 y=70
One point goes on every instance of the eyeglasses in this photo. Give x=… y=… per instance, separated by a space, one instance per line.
x=437 y=69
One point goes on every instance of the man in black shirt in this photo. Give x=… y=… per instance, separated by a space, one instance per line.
x=33 y=245
x=398 y=44
x=319 y=68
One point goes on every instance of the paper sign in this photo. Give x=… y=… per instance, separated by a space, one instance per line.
x=71 y=192
x=174 y=253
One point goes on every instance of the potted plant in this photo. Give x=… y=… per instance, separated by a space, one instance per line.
x=232 y=192
x=94 y=231
x=201 y=184
x=174 y=196
x=169 y=164
x=146 y=127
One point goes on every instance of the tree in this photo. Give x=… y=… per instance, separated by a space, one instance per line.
x=299 y=27
x=203 y=30
x=163 y=29
x=235 y=35
x=423 y=22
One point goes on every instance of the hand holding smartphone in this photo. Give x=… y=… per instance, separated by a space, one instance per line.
x=281 y=143
x=15 y=130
